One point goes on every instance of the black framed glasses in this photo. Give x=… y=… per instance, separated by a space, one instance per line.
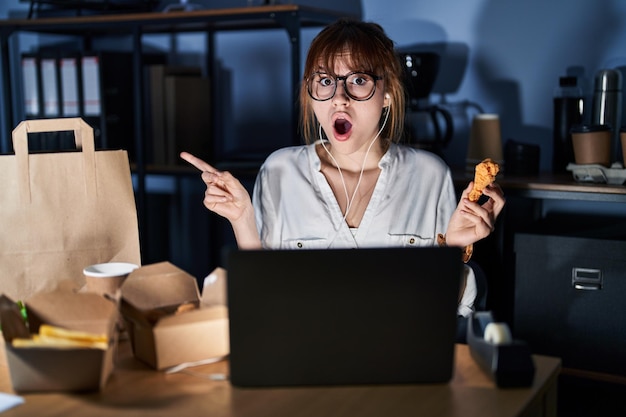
x=359 y=86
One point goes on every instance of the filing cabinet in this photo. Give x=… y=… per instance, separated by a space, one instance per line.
x=570 y=299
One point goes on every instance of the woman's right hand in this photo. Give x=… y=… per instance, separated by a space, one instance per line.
x=224 y=195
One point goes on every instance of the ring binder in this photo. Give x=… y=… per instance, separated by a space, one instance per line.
x=69 y=86
x=30 y=83
x=50 y=86
x=92 y=105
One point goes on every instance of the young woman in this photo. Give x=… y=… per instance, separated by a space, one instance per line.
x=352 y=185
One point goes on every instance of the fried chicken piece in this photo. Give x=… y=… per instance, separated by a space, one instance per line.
x=485 y=174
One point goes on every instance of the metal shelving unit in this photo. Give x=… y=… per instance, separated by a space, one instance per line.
x=291 y=18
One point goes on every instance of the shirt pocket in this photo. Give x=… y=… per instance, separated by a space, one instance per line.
x=409 y=240
x=310 y=243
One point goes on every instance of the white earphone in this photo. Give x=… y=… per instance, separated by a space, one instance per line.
x=349 y=199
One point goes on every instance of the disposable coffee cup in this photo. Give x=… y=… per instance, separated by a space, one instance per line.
x=485 y=140
x=592 y=144
x=107 y=278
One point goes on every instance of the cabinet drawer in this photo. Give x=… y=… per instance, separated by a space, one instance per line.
x=570 y=299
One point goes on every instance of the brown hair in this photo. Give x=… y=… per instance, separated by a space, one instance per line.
x=370 y=51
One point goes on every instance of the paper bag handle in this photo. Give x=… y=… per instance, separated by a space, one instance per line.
x=83 y=136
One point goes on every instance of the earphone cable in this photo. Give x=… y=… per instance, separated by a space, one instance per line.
x=348 y=199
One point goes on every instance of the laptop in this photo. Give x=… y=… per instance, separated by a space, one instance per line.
x=342 y=316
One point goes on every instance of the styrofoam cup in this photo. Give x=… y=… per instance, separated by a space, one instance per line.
x=108 y=277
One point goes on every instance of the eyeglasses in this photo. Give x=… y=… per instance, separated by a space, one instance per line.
x=359 y=86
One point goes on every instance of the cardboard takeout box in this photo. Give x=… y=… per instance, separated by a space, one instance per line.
x=168 y=322
x=41 y=369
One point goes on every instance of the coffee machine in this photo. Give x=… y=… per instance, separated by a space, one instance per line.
x=428 y=126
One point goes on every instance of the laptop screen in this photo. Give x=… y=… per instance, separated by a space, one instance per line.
x=342 y=316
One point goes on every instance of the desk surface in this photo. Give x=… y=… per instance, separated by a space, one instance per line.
x=136 y=390
x=551 y=186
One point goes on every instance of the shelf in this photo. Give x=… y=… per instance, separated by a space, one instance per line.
x=553 y=186
x=79 y=6
x=287 y=16
x=290 y=18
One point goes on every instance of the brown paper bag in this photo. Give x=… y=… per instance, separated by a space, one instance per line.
x=63 y=211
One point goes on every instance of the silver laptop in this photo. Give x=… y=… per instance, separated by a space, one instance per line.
x=342 y=316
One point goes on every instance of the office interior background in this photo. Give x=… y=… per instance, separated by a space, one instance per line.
x=497 y=57
x=501 y=57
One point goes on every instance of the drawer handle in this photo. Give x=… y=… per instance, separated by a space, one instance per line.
x=588 y=279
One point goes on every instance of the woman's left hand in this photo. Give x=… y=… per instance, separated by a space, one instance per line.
x=471 y=221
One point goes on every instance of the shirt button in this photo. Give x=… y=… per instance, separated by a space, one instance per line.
x=412 y=240
x=300 y=245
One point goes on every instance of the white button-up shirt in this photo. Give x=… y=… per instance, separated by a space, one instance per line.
x=412 y=201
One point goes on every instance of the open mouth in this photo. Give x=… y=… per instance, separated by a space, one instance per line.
x=342 y=126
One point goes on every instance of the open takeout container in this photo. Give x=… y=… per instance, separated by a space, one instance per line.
x=169 y=323
x=41 y=369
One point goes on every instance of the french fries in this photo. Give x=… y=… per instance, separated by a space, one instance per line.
x=57 y=337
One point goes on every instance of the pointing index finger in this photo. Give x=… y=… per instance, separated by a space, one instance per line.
x=197 y=162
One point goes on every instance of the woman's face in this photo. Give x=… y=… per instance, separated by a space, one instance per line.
x=350 y=125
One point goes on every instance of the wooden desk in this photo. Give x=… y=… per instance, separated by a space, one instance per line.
x=135 y=390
